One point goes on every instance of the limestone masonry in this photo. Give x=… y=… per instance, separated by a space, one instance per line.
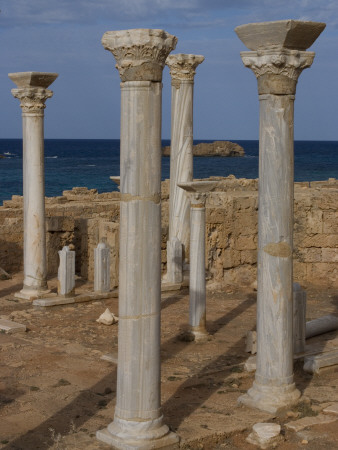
x=83 y=218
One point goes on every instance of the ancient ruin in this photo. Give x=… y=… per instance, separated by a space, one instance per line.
x=138 y=422
x=277 y=59
x=182 y=70
x=32 y=92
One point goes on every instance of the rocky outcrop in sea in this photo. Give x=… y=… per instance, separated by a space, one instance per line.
x=216 y=148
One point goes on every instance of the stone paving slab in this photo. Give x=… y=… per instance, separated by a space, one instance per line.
x=298 y=425
x=331 y=409
x=85 y=297
x=10 y=327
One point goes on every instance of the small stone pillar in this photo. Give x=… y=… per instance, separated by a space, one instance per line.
x=66 y=272
x=182 y=70
x=32 y=92
x=197 y=291
x=138 y=422
x=102 y=268
x=277 y=59
x=299 y=318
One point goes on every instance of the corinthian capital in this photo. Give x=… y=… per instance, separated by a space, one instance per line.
x=32 y=100
x=32 y=89
x=183 y=67
x=277 y=72
x=140 y=53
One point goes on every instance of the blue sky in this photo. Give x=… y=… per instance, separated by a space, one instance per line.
x=64 y=36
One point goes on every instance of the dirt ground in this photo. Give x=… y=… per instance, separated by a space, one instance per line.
x=56 y=392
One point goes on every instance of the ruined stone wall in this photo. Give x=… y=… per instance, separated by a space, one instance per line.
x=82 y=218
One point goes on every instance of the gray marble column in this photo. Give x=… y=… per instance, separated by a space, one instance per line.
x=32 y=92
x=182 y=70
x=138 y=421
x=278 y=59
x=197 y=291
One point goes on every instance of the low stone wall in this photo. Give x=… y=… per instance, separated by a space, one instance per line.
x=82 y=218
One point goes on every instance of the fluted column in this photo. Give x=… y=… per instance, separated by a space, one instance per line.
x=182 y=70
x=197 y=192
x=277 y=63
x=32 y=92
x=138 y=422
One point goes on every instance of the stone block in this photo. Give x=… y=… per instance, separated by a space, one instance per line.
x=329 y=255
x=246 y=242
x=309 y=255
x=330 y=222
x=265 y=435
x=331 y=409
x=102 y=268
x=315 y=221
x=248 y=256
x=10 y=327
x=245 y=222
x=300 y=424
x=325 y=274
x=318 y=240
x=313 y=364
x=218 y=215
x=231 y=258
x=299 y=270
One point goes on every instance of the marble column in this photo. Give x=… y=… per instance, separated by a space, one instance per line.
x=32 y=92
x=197 y=191
x=182 y=70
x=138 y=423
x=277 y=60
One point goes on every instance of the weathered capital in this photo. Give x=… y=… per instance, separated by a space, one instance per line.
x=32 y=100
x=183 y=67
x=277 y=72
x=32 y=89
x=278 y=55
x=197 y=191
x=140 y=53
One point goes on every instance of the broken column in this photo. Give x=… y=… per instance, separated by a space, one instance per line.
x=197 y=291
x=277 y=58
x=138 y=422
x=102 y=268
x=182 y=70
x=66 y=272
x=32 y=92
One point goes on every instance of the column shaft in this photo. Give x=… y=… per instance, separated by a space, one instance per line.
x=181 y=159
x=197 y=290
x=35 y=264
x=275 y=225
x=138 y=383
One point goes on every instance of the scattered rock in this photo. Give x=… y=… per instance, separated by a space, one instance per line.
x=107 y=318
x=265 y=434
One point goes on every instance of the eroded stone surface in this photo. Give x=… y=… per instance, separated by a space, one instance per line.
x=265 y=434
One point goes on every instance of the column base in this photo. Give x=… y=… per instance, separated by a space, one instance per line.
x=199 y=336
x=28 y=293
x=270 y=398
x=131 y=435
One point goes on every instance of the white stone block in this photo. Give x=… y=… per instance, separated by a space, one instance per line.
x=312 y=364
x=66 y=272
x=102 y=268
x=10 y=327
x=264 y=434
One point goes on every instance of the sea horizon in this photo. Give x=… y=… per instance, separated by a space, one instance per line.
x=90 y=163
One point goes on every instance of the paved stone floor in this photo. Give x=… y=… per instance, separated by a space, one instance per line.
x=55 y=391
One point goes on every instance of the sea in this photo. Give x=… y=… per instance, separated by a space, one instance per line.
x=90 y=163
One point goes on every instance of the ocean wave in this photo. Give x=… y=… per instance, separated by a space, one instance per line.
x=51 y=157
x=9 y=153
